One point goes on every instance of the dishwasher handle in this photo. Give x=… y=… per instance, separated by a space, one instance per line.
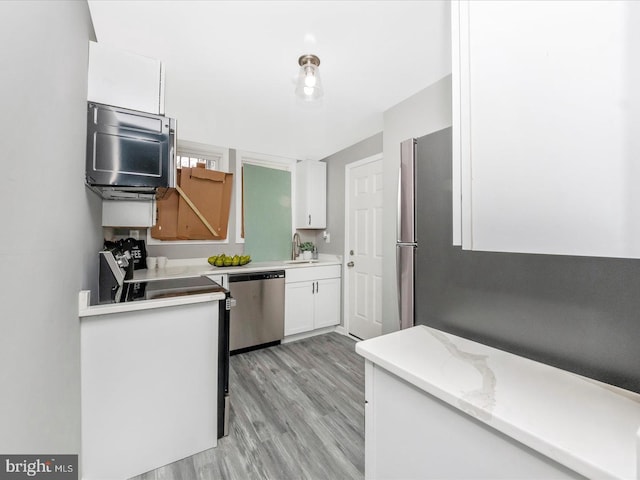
x=248 y=277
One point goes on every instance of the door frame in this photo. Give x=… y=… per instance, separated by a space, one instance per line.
x=345 y=254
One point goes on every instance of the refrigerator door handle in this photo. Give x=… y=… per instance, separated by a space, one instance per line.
x=406 y=192
x=399 y=284
x=405 y=268
x=399 y=215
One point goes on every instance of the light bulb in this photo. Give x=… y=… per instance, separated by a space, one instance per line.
x=310 y=80
x=309 y=84
x=309 y=76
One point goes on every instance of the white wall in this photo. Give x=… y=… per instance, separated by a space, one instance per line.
x=50 y=232
x=427 y=111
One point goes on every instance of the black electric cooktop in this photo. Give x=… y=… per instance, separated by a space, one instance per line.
x=175 y=287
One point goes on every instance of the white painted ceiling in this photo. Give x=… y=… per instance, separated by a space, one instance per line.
x=231 y=65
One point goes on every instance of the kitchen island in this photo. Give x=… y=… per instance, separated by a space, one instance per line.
x=441 y=406
x=149 y=372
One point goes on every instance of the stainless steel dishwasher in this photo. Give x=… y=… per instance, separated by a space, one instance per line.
x=258 y=317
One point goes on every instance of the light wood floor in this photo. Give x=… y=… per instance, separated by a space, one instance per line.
x=297 y=412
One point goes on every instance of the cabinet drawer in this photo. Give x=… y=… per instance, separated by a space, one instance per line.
x=303 y=274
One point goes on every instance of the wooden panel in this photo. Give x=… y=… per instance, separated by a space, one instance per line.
x=210 y=191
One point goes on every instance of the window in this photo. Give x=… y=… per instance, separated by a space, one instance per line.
x=209 y=164
x=190 y=154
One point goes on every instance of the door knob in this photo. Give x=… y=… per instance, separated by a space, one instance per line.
x=351 y=264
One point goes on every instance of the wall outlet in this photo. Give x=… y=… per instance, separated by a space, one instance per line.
x=327 y=236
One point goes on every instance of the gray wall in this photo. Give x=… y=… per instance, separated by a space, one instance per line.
x=427 y=111
x=576 y=313
x=335 y=191
x=50 y=234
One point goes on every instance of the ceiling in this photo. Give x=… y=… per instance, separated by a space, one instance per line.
x=231 y=65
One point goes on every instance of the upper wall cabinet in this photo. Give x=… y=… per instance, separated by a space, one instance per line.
x=546 y=136
x=124 y=79
x=311 y=194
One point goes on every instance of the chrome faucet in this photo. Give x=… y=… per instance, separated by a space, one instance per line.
x=295 y=246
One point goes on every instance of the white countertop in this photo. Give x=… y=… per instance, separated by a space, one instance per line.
x=188 y=268
x=198 y=267
x=85 y=309
x=588 y=426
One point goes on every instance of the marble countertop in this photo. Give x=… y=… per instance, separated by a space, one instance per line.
x=588 y=426
x=198 y=267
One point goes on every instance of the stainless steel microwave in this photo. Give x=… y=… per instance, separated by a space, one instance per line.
x=130 y=154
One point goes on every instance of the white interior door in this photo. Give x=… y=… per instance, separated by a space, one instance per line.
x=363 y=245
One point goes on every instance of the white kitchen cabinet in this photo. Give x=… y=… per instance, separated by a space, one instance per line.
x=312 y=298
x=439 y=406
x=128 y=213
x=326 y=303
x=299 y=307
x=426 y=438
x=545 y=142
x=149 y=377
x=124 y=79
x=311 y=194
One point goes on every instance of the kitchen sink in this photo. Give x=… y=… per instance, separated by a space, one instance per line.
x=301 y=261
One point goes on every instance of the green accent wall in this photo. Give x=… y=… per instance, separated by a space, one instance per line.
x=267 y=213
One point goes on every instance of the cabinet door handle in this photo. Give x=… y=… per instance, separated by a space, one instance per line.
x=309 y=219
x=317 y=287
x=313 y=287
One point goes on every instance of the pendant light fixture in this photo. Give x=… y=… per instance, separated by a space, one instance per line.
x=308 y=86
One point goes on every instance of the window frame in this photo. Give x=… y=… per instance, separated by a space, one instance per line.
x=206 y=152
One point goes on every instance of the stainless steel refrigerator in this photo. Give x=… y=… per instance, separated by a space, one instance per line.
x=419 y=160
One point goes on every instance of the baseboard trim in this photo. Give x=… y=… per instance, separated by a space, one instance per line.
x=312 y=333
